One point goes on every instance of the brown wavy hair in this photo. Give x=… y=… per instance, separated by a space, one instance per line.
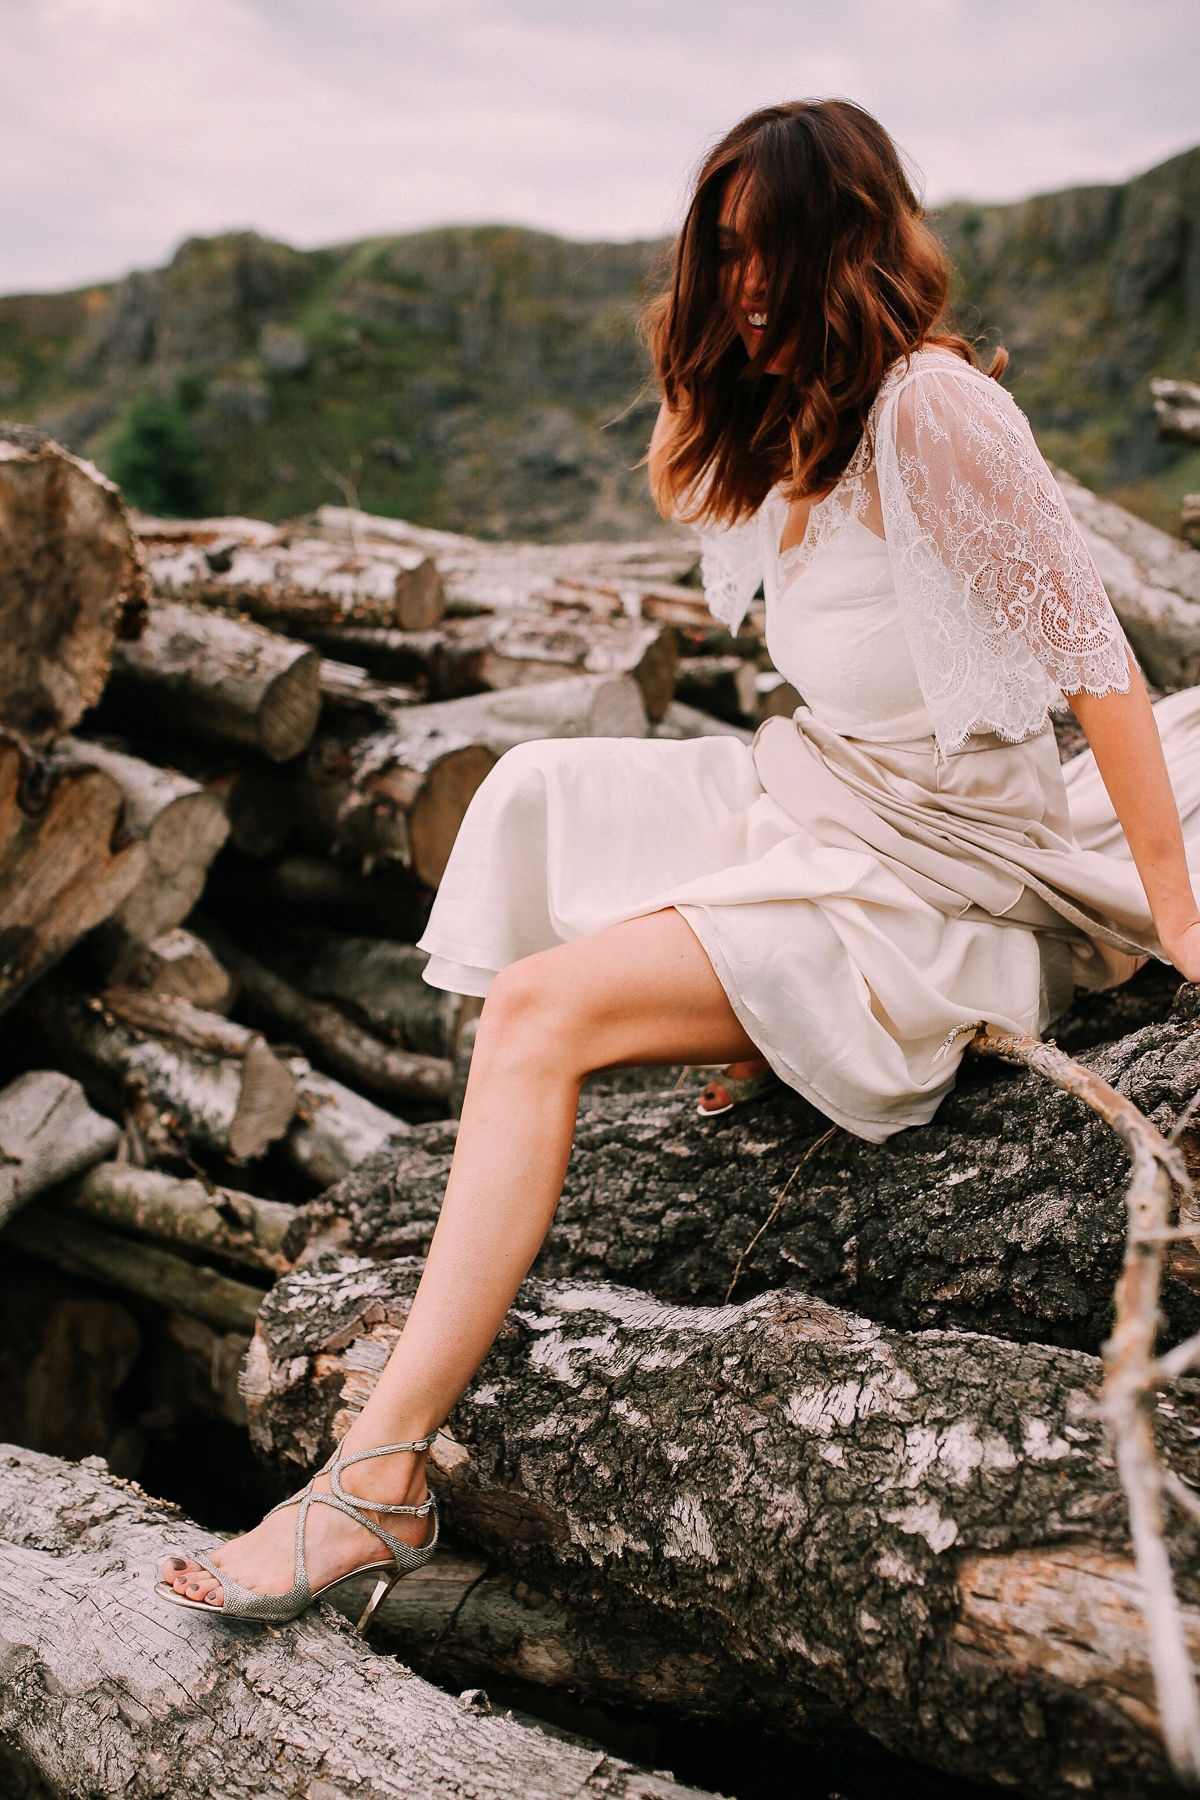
x=854 y=280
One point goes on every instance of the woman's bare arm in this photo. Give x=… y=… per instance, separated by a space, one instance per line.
x=1124 y=738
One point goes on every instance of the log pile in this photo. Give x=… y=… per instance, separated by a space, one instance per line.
x=785 y=1429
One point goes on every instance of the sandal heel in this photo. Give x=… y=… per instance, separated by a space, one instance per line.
x=383 y=1588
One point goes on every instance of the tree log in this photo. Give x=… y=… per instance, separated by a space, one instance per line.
x=182 y=824
x=1177 y=410
x=917 y=1537
x=580 y=706
x=180 y=966
x=386 y=653
x=517 y=649
x=198 y=1080
x=317 y=890
x=295 y=584
x=48 y=1132
x=381 y=983
x=726 y=686
x=203 y=1709
x=508 y=575
x=333 y=1041
x=1189 y=520
x=65 y=864
x=239 y=1228
x=229 y=682
x=394 y=798
x=1004 y=1215
x=70 y=580
x=397 y=797
x=1152 y=580
x=143 y=1269
x=336 y=1130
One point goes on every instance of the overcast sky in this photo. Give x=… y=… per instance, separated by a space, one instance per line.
x=126 y=125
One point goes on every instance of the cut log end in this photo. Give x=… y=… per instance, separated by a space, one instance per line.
x=440 y=808
x=290 y=708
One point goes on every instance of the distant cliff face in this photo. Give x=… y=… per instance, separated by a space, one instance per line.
x=490 y=379
x=1093 y=291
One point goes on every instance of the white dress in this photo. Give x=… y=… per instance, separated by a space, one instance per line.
x=899 y=860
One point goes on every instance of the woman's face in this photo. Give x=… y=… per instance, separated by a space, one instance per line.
x=747 y=299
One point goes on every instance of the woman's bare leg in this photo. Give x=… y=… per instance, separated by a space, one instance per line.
x=639 y=993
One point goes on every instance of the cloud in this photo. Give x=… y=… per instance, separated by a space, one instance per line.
x=126 y=125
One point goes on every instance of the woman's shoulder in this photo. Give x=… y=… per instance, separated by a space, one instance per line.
x=932 y=368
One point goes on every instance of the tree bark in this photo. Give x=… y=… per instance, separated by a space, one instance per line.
x=180 y=966
x=920 y=1537
x=291 y=583
x=1004 y=1215
x=516 y=650
x=87 y=1250
x=386 y=653
x=335 y=1129
x=228 y=682
x=507 y=575
x=381 y=982
x=204 y=1708
x=48 y=1132
x=198 y=1080
x=182 y=824
x=66 y=864
x=70 y=580
x=239 y=1228
x=331 y=1039
x=511 y=1629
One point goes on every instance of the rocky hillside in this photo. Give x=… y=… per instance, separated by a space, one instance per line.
x=490 y=380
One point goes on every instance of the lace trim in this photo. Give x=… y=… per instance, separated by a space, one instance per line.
x=1001 y=603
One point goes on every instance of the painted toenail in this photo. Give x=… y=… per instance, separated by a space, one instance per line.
x=177 y=1562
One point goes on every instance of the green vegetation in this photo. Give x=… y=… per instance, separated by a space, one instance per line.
x=157 y=461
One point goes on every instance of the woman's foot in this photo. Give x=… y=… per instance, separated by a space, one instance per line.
x=264 y=1560
x=733 y=1085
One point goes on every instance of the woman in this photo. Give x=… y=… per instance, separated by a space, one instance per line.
x=846 y=900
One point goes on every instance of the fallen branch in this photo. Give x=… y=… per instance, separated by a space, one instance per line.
x=237 y=1227
x=99 y=1255
x=330 y=1038
x=1132 y=1375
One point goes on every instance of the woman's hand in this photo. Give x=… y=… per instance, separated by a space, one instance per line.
x=1183 y=948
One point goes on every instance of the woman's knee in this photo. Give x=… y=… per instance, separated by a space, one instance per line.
x=528 y=1014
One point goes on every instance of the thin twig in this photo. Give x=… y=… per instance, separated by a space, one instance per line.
x=1176 y=1362
x=489 y=1568
x=771 y=1216
x=1132 y=1373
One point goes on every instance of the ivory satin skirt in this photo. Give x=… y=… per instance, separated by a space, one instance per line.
x=860 y=903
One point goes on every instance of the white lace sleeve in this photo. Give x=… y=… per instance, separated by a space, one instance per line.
x=731 y=568
x=1002 y=605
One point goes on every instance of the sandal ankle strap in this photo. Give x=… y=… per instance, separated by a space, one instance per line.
x=379 y=1506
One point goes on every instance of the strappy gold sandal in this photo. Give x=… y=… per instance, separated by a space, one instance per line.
x=276 y=1609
